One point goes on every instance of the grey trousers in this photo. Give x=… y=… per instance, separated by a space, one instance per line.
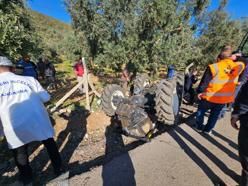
x=81 y=88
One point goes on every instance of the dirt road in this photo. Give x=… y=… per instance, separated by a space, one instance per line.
x=181 y=156
x=96 y=155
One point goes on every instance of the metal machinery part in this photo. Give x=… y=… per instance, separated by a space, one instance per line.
x=148 y=104
x=134 y=119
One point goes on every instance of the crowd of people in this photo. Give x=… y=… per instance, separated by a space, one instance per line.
x=22 y=96
x=43 y=70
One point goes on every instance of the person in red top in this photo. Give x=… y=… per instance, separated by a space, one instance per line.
x=79 y=71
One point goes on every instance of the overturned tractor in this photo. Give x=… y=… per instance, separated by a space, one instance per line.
x=147 y=104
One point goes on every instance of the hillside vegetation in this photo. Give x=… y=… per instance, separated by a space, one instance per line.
x=51 y=31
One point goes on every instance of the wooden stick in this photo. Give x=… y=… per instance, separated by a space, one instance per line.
x=78 y=99
x=86 y=84
x=67 y=95
x=92 y=87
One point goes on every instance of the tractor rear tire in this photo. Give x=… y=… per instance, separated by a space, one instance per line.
x=107 y=98
x=168 y=99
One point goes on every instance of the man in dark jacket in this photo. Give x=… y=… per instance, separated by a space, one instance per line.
x=240 y=113
x=41 y=66
x=190 y=80
x=50 y=73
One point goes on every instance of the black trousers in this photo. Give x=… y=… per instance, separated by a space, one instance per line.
x=192 y=95
x=22 y=162
x=243 y=150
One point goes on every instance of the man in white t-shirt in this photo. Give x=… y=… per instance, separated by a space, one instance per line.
x=24 y=118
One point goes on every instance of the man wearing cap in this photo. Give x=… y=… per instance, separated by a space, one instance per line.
x=217 y=89
x=25 y=119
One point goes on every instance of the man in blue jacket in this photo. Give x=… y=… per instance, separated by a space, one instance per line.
x=29 y=67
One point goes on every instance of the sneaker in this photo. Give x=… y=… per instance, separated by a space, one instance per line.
x=207 y=132
x=197 y=128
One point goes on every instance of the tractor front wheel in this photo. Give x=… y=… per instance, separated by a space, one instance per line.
x=110 y=93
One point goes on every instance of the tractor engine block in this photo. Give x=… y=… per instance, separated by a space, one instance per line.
x=134 y=119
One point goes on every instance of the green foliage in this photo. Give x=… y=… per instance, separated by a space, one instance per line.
x=52 y=33
x=70 y=46
x=17 y=36
x=144 y=33
x=244 y=26
x=218 y=30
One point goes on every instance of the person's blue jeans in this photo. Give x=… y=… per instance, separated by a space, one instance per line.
x=223 y=112
x=215 y=110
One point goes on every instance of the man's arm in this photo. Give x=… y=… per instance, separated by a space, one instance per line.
x=244 y=75
x=34 y=65
x=207 y=77
x=240 y=106
x=241 y=102
x=194 y=79
x=188 y=67
x=43 y=94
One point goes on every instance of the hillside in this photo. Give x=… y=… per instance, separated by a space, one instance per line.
x=50 y=30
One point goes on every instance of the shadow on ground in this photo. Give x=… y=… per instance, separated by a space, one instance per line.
x=67 y=141
x=112 y=174
x=177 y=135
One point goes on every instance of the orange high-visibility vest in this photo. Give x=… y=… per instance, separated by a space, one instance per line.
x=221 y=88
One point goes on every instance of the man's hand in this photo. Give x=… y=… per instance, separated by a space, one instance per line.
x=200 y=96
x=238 y=54
x=234 y=121
x=235 y=56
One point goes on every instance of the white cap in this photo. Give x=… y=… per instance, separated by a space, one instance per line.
x=4 y=61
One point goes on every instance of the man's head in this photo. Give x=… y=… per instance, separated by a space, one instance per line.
x=40 y=60
x=79 y=60
x=5 y=64
x=26 y=58
x=225 y=53
x=46 y=61
x=194 y=71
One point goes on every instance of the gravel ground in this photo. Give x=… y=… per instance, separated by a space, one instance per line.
x=85 y=141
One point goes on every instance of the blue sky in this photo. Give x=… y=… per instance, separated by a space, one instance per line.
x=53 y=8
x=56 y=8
x=236 y=8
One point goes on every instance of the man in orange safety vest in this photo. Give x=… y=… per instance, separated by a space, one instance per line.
x=217 y=88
